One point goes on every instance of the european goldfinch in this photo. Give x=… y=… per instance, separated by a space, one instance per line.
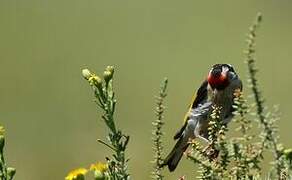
x=218 y=89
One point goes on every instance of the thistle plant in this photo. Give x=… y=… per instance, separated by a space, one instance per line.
x=105 y=99
x=6 y=173
x=157 y=132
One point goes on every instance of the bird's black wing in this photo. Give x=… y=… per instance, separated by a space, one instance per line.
x=199 y=98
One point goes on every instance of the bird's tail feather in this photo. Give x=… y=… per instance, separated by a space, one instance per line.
x=175 y=155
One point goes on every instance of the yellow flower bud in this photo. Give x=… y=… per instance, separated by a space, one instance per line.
x=110 y=69
x=86 y=74
x=99 y=167
x=107 y=75
x=96 y=81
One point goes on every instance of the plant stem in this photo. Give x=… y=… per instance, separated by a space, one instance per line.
x=157 y=132
x=267 y=126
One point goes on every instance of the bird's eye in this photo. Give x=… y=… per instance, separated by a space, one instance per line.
x=233 y=75
x=231 y=69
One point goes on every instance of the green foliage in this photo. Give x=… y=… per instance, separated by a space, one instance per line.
x=105 y=99
x=6 y=173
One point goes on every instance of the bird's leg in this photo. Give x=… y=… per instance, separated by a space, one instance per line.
x=204 y=139
x=190 y=142
x=209 y=150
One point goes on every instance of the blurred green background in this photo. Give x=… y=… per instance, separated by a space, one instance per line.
x=46 y=106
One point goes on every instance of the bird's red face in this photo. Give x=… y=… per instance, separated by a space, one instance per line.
x=217 y=77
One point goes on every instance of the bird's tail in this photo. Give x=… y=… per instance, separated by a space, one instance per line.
x=175 y=155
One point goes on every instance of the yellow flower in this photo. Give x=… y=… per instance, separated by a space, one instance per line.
x=95 y=80
x=100 y=171
x=76 y=174
x=99 y=167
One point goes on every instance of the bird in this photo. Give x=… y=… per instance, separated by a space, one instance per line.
x=218 y=89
